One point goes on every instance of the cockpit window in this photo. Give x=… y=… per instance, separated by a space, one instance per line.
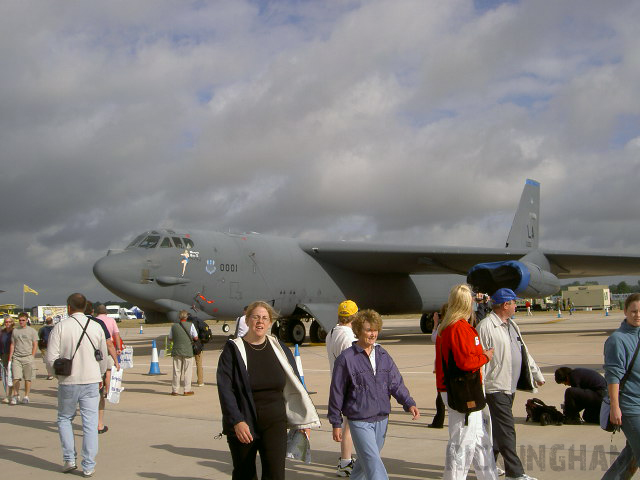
x=137 y=239
x=166 y=243
x=150 y=242
x=188 y=243
x=178 y=242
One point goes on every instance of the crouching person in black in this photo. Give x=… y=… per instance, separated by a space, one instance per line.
x=586 y=390
x=261 y=395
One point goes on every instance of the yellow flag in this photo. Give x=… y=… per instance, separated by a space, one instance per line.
x=28 y=289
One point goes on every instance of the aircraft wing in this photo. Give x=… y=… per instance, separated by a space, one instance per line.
x=573 y=264
x=384 y=258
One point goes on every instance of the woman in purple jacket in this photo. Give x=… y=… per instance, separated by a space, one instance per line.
x=364 y=379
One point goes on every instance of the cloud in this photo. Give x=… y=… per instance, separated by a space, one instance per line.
x=399 y=121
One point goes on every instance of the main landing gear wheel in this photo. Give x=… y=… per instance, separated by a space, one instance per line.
x=296 y=331
x=426 y=323
x=225 y=327
x=317 y=333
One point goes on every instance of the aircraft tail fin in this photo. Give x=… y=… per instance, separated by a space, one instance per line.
x=524 y=229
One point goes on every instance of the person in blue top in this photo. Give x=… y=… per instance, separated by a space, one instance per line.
x=5 y=344
x=625 y=405
x=364 y=379
x=43 y=340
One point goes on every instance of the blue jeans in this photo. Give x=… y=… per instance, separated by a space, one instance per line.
x=87 y=397
x=625 y=465
x=368 y=438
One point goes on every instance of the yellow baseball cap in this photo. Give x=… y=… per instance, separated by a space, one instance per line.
x=347 y=308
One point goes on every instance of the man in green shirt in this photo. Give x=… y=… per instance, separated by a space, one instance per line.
x=182 y=334
x=24 y=344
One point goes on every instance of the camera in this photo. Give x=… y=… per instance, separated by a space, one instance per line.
x=98 y=354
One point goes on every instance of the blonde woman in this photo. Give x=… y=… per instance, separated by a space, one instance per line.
x=469 y=442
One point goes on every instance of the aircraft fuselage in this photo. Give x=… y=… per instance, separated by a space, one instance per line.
x=221 y=273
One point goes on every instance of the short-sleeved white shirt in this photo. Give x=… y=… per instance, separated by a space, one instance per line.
x=339 y=339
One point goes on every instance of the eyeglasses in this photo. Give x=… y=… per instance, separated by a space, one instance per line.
x=264 y=318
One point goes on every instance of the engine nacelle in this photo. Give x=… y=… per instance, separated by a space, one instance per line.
x=526 y=279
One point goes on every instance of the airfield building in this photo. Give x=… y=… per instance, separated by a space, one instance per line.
x=588 y=297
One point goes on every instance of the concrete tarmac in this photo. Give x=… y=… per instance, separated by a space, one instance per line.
x=154 y=435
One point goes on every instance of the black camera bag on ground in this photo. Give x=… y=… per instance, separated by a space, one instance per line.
x=538 y=411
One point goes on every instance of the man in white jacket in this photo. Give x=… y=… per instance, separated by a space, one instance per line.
x=83 y=341
x=339 y=339
x=510 y=368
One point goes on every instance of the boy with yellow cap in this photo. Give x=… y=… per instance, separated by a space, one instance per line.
x=340 y=338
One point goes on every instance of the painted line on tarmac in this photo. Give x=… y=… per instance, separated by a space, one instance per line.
x=557 y=320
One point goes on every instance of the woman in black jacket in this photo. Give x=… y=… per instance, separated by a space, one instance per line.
x=256 y=373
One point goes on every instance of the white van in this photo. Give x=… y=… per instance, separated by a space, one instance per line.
x=127 y=314
x=119 y=313
x=113 y=311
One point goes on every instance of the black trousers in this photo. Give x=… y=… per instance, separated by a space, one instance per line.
x=577 y=399
x=504 y=432
x=438 y=420
x=272 y=446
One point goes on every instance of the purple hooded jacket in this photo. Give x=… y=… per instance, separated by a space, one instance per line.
x=359 y=394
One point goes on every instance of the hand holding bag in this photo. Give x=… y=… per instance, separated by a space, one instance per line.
x=605 y=408
x=298 y=446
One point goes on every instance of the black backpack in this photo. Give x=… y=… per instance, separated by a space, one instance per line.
x=204 y=331
x=538 y=411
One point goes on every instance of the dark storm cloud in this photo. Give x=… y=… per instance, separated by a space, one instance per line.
x=399 y=121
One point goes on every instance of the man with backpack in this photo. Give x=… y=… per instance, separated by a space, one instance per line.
x=183 y=334
x=204 y=335
x=43 y=340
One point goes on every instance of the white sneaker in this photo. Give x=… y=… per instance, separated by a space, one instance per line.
x=346 y=470
x=501 y=472
x=88 y=473
x=524 y=476
x=25 y=400
x=13 y=401
x=5 y=400
x=68 y=466
x=201 y=384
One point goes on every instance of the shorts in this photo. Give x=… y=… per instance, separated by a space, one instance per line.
x=22 y=368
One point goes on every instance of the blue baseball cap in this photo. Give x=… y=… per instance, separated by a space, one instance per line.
x=503 y=295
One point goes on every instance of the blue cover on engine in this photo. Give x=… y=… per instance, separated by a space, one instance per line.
x=520 y=267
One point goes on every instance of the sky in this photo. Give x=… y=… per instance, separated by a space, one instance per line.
x=397 y=121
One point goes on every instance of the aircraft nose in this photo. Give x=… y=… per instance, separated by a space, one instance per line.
x=114 y=270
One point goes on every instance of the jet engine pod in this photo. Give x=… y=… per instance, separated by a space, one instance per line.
x=526 y=279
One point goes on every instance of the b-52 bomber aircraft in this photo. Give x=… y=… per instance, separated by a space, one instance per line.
x=215 y=274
